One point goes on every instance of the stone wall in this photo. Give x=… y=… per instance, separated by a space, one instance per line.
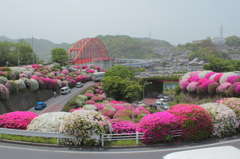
x=24 y=101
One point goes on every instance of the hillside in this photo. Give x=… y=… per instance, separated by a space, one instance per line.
x=118 y=46
x=41 y=46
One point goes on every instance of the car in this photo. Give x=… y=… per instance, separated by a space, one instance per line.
x=144 y=74
x=158 y=101
x=164 y=105
x=40 y=105
x=79 y=84
x=65 y=90
x=163 y=97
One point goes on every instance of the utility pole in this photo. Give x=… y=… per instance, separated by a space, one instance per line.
x=32 y=50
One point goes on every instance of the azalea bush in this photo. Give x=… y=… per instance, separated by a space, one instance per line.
x=4 y=92
x=12 y=87
x=158 y=127
x=47 y=122
x=234 y=104
x=85 y=125
x=17 y=119
x=33 y=85
x=123 y=126
x=21 y=85
x=89 y=107
x=195 y=122
x=107 y=112
x=224 y=119
x=3 y=80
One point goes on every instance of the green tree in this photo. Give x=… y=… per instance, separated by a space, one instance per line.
x=132 y=91
x=5 y=51
x=25 y=52
x=233 y=41
x=120 y=71
x=59 y=55
x=219 y=65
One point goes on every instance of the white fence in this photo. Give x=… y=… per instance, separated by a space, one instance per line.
x=104 y=137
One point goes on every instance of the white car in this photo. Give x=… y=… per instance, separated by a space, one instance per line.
x=144 y=74
x=79 y=84
x=65 y=90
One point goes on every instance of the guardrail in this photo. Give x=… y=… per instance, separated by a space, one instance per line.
x=104 y=137
x=56 y=135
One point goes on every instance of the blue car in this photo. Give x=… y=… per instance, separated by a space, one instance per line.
x=40 y=105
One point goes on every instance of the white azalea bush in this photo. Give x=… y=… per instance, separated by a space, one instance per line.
x=83 y=97
x=224 y=119
x=21 y=85
x=203 y=74
x=33 y=85
x=47 y=122
x=224 y=77
x=3 y=80
x=85 y=125
x=89 y=107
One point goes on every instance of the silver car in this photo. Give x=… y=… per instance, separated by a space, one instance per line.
x=164 y=105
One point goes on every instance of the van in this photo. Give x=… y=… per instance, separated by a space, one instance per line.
x=65 y=90
x=79 y=84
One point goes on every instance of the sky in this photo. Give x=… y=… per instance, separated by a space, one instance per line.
x=175 y=21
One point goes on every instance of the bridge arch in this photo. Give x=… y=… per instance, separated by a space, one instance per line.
x=88 y=50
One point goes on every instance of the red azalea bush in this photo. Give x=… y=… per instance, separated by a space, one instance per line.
x=123 y=126
x=17 y=119
x=193 y=79
x=217 y=77
x=231 y=79
x=200 y=81
x=195 y=122
x=107 y=112
x=204 y=85
x=158 y=127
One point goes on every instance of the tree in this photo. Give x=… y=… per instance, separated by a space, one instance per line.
x=24 y=52
x=120 y=71
x=219 y=65
x=233 y=41
x=132 y=91
x=59 y=55
x=5 y=51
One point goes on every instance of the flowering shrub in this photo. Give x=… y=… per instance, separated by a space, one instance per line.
x=121 y=115
x=42 y=84
x=22 y=75
x=123 y=126
x=224 y=86
x=89 y=95
x=65 y=72
x=33 y=85
x=71 y=110
x=195 y=122
x=109 y=107
x=99 y=106
x=234 y=104
x=204 y=85
x=11 y=86
x=184 y=86
x=213 y=76
x=97 y=98
x=3 y=80
x=231 y=79
x=21 y=85
x=212 y=88
x=16 y=120
x=89 y=107
x=107 y=112
x=208 y=75
x=128 y=111
x=203 y=74
x=83 y=97
x=118 y=107
x=4 y=92
x=237 y=90
x=182 y=82
x=192 y=87
x=84 y=124
x=193 y=79
x=237 y=79
x=89 y=102
x=225 y=76
x=200 y=81
x=224 y=119
x=217 y=77
x=185 y=76
x=49 y=83
x=158 y=127
x=28 y=73
x=231 y=90
x=47 y=122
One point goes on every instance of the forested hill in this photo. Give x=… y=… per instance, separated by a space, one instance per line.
x=41 y=46
x=126 y=47
x=117 y=46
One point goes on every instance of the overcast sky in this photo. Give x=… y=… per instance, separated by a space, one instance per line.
x=175 y=21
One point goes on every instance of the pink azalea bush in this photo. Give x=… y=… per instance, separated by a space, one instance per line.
x=89 y=95
x=89 y=102
x=217 y=77
x=195 y=122
x=17 y=119
x=122 y=126
x=192 y=86
x=158 y=127
x=224 y=86
x=208 y=75
x=99 y=106
x=107 y=112
x=234 y=104
x=231 y=79
x=193 y=79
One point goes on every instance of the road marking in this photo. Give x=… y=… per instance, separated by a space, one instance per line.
x=102 y=151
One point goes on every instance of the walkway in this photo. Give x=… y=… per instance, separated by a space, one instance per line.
x=149 y=101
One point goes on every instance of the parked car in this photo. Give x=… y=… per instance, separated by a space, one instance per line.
x=40 y=105
x=65 y=90
x=144 y=74
x=164 y=98
x=79 y=84
x=164 y=105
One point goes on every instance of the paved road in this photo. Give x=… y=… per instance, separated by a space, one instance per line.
x=17 y=151
x=56 y=104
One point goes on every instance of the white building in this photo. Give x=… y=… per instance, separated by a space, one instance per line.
x=219 y=41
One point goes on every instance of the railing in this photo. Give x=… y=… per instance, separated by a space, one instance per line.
x=56 y=135
x=104 y=137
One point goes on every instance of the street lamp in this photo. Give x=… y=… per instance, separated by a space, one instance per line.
x=144 y=86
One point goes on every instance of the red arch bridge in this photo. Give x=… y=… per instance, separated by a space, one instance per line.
x=88 y=50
